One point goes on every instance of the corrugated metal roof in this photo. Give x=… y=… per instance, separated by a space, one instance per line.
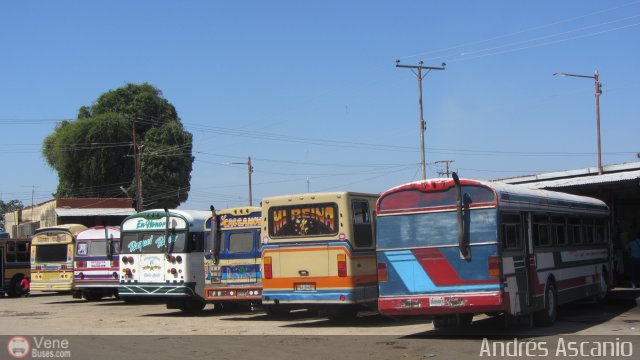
x=585 y=180
x=95 y=212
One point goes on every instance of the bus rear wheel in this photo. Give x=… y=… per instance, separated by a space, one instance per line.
x=192 y=306
x=92 y=295
x=547 y=316
x=16 y=287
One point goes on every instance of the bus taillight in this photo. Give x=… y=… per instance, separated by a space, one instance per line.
x=342 y=265
x=268 y=270
x=116 y=263
x=494 y=265
x=382 y=271
x=130 y=260
x=80 y=264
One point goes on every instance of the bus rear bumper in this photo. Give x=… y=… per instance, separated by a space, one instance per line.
x=50 y=286
x=129 y=289
x=442 y=304
x=233 y=293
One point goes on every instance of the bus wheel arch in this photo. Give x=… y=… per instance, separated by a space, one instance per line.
x=16 y=288
x=547 y=316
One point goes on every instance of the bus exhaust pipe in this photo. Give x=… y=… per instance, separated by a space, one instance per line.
x=465 y=251
x=215 y=249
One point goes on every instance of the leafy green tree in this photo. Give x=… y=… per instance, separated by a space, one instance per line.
x=7 y=207
x=93 y=155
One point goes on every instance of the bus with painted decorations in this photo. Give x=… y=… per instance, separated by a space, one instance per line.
x=318 y=253
x=452 y=248
x=162 y=257
x=52 y=257
x=15 y=266
x=233 y=258
x=96 y=272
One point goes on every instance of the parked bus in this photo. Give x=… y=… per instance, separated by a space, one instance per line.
x=15 y=266
x=318 y=252
x=96 y=272
x=52 y=255
x=172 y=269
x=451 y=248
x=233 y=258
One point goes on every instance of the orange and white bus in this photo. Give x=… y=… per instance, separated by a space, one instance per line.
x=52 y=257
x=318 y=252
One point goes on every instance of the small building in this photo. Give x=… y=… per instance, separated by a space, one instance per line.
x=618 y=186
x=86 y=211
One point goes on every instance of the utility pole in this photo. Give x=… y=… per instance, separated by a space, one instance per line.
x=446 y=164
x=422 y=123
x=138 y=178
x=250 y=170
x=598 y=91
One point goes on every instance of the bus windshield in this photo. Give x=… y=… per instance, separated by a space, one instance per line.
x=51 y=253
x=435 y=229
x=152 y=243
x=303 y=220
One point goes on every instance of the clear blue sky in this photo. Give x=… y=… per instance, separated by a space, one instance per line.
x=300 y=86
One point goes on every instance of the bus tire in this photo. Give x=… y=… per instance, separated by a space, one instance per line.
x=15 y=286
x=92 y=295
x=192 y=306
x=344 y=313
x=441 y=322
x=547 y=316
x=277 y=311
x=464 y=319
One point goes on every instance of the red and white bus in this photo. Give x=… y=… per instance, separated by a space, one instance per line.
x=452 y=248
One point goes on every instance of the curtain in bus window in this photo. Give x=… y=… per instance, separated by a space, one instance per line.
x=434 y=229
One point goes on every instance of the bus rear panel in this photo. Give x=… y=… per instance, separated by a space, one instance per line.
x=233 y=265
x=318 y=251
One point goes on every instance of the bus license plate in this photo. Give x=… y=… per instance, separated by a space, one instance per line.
x=436 y=301
x=305 y=287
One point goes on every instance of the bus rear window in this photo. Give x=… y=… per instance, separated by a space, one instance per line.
x=413 y=198
x=51 y=253
x=303 y=220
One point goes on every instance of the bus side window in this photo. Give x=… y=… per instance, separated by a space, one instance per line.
x=559 y=230
x=601 y=231
x=363 y=233
x=589 y=235
x=197 y=242
x=511 y=231
x=541 y=236
x=22 y=254
x=11 y=251
x=575 y=231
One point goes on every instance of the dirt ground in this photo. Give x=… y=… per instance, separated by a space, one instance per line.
x=106 y=328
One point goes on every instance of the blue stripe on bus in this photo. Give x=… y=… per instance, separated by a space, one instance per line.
x=308 y=296
x=406 y=276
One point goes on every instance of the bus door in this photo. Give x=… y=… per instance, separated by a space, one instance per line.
x=530 y=260
x=363 y=239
